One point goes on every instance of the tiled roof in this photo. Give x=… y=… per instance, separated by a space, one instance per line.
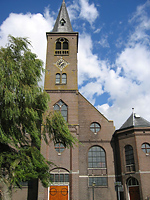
x=62 y=23
x=135 y=121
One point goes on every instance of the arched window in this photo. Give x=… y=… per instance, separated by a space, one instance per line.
x=65 y=45
x=64 y=78
x=62 y=22
x=62 y=46
x=58 y=45
x=59 y=175
x=132 y=181
x=62 y=107
x=96 y=157
x=146 y=148
x=57 y=78
x=129 y=156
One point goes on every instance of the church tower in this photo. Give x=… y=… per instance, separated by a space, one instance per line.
x=62 y=47
x=61 y=84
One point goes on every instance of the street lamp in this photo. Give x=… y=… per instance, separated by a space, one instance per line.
x=93 y=185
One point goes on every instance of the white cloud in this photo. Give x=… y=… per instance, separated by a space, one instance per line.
x=91 y=89
x=88 y=11
x=104 y=41
x=81 y=9
x=88 y=63
x=135 y=62
x=73 y=10
x=142 y=24
x=32 y=26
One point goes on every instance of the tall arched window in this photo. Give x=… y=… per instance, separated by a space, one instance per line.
x=57 y=78
x=58 y=45
x=129 y=156
x=62 y=46
x=64 y=78
x=97 y=160
x=96 y=157
x=65 y=45
x=62 y=107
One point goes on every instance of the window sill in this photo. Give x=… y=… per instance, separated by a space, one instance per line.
x=60 y=83
x=98 y=186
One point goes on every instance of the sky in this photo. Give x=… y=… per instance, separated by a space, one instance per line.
x=114 y=48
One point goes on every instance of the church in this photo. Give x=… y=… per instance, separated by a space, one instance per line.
x=107 y=164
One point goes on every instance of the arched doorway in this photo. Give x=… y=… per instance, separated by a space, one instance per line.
x=59 y=189
x=133 y=189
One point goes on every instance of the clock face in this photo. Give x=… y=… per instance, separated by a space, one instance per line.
x=61 y=64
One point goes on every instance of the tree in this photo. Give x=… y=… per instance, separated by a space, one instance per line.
x=23 y=109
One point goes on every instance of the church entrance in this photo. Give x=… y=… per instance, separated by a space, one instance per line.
x=134 y=193
x=133 y=188
x=58 y=192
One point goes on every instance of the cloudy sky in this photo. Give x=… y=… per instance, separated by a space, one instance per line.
x=114 y=48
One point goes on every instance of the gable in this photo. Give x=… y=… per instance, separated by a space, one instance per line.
x=89 y=114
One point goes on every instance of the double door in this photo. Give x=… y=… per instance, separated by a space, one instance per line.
x=58 y=192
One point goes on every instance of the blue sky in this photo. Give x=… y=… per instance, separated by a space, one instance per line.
x=114 y=48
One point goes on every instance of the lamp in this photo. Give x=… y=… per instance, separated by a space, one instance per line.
x=93 y=185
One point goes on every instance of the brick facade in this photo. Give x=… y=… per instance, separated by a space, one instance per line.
x=85 y=177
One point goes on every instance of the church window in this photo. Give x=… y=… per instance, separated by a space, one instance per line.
x=61 y=78
x=129 y=156
x=146 y=148
x=132 y=182
x=57 y=78
x=58 y=45
x=97 y=181
x=96 y=157
x=65 y=45
x=64 y=78
x=62 y=22
x=62 y=46
x=59 y=175
x=62 y=107
x=95 y=127
x=59 y=147
x=61 y=178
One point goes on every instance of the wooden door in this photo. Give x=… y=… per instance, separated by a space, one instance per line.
x=134 y=193
x=58 y=193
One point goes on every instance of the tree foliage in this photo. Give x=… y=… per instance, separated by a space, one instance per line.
x=23 y=108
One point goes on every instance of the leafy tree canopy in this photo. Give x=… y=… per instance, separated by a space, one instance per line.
x=23 y=109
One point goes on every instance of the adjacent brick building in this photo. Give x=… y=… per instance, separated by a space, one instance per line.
x=108 y=164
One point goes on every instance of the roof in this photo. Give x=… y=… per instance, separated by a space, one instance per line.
x=62 y=24
x=135 y=121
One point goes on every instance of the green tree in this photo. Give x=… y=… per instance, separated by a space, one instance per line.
x=23 y=109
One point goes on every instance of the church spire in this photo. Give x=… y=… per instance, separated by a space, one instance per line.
x=62 y=23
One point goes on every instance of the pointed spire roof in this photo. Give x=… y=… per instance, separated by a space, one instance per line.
x=135 y=121
x=62 y=23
